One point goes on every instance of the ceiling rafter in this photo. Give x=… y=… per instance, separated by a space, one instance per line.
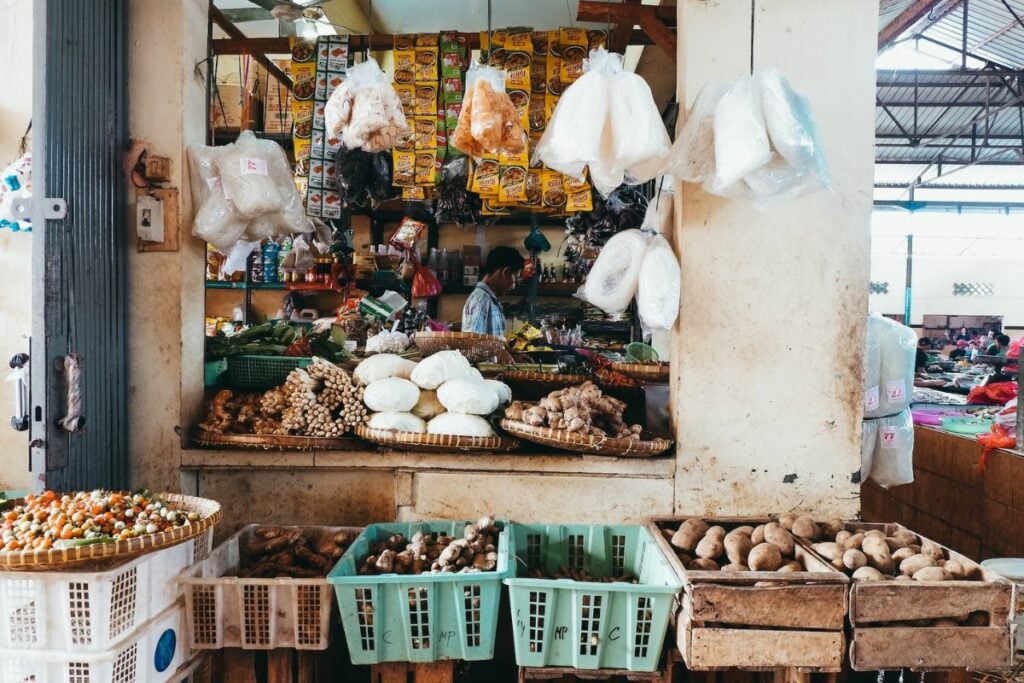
x=907 y=19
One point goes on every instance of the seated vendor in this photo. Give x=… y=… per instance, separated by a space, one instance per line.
x=999 y=347
x=482 y=312
x=960 y=351
x=924 y=344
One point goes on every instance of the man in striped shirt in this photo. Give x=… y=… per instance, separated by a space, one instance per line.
x=482 y=312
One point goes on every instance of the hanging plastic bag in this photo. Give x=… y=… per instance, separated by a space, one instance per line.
x=238 y=256
x=897 y=350
x=257 y=177
x=488 y=121
x=658 y=286
x=872 y=368
x=999 y=437
x=366 y=110
x=216 y=220
x=658 y=217
x=424 y=283
x=893 y=463
x=456 y=204
x=792 y=131
x=640 y=143
x=363 y=178
x=741 y=140
x=868 y=439
x=612 y=281
x=692 y=157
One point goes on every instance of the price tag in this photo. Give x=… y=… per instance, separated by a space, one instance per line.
x=250 y=166
x=214 y=183
x=871 y=398
x=895 y=390
x=890 y=437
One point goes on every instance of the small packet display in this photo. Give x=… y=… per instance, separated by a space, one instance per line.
x=573 y=43
x=328 y=56
x=485 y=178
x=426 y=52
x=406 y=234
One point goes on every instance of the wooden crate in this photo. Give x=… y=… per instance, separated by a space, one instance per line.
x=759 y=620
x=878 y=643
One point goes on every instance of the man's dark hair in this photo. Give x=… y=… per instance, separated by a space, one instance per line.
x=502 y=257
x=923 y=341
x=1003 y=340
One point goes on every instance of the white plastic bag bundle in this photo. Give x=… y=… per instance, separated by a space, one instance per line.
x=640 y=141
x=257 y=177
x=489 y=121
x=897 y=350
x=872 y=367
x=893 y=463
x=792 y=131
x=366 y=110
x=741 y=140
x=657 y=293
x=868 y=441
x=692 y=157
x=613 y=278
x=216 y=220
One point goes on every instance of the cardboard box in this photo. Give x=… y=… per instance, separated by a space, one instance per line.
x=226 y=108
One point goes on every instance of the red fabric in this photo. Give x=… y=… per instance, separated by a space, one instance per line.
x=1014 y=349
x=996 y=394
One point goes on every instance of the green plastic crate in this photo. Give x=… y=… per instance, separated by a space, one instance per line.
x=585 y=624
x=421 y=618
x=259 y=373
x=212 y=370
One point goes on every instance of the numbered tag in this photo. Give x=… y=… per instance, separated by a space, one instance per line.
x=871 y=398
x=895 y=390
x=890 y=437
x=249 y=166
x=214 y=183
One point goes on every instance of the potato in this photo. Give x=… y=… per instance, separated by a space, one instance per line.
x=757 y=537
x=894 y=544
x=837 y=562
x=914 y=563
x=915 y=547
x=854 y=541
x=902 y=554
x=854 y=559
x=832 y=527
x=765 y=557
x=689 y=534
x=972 y=570
x=875 y=532
x=685 y=560
x=746 y=530
x=778 y=536
x=874 y=545
x=737 y=547
x=735 y=567
x=701 y=564
x=903 y=577
x=932 y=574
x=868 y=574
x=710 y=547
x=786 y=520
x=828 y=550
x=791 y=566
x=716 y=531
x=908 y=538
x=805 y=527
x=842 y=537
x=944 y=622
x=933 y=550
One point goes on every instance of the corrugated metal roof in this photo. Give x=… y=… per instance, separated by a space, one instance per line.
x=993 y=33
x=888 y=10
x=902 y=175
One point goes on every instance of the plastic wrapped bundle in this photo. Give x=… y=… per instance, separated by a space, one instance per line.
x=692 y=157
x=893 y=463
x=216 y=220
x=657 y=294
x=257 y=177
x=897 y=349
x=640 y=141
x=456 y=204
x=792 y=131
x=366 y=110
x=488 y=121
x=613 y=278
x=363 y=178
x=872 y=366
x=868 y=441
x=741 y=140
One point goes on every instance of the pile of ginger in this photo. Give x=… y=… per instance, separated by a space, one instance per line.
x=581 y=409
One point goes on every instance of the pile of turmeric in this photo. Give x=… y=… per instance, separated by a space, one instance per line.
x=476 y=551
x=581 y=409
x=291 y=552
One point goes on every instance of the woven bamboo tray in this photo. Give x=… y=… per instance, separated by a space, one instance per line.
x=594 y=445
x=649 y=373
x=531 y=385
x=98 y=555
x=467 y=342
x=436 y=443
x=278 y=442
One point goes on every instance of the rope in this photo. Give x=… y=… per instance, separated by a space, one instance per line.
x=74 y=420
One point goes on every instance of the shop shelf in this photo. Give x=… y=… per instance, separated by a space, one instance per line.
x=418 y=618
x=252 y=613
x=590 y=624
x=78 y=611
x=155 y=652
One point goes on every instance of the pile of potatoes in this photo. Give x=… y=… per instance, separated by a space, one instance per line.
x=765 y=548
x=903 y=556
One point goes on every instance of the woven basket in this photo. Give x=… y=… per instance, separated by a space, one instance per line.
x=430 y=343
x=595 y=445
x=649 y=373
x=278 y=442
x=104 y=554
x=436 y=443
x=531 y=385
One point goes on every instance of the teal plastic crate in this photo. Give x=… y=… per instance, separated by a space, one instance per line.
x=419 y=618
x=589 y=624
x=259 y=373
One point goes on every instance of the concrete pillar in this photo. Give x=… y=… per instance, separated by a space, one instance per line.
x=768 y=354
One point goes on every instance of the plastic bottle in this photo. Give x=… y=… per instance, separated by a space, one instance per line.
x=286 y=246
x=270 y=261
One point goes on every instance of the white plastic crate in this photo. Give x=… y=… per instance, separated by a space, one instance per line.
x=156 y=652
x=92 y=611
x=255 y=614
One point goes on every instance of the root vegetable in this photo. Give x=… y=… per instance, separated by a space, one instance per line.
x=915 y=563
x=868 y=574
x=933 y=550
x=874 y=545
x=757 y=536
x=746 y=530
x=702 y=564
x=842 y=537
x=710 y=547
x=689 y=534
x=805 y=527
x=716 y=531
x=955 y=569
x=902 y=554
x=828 y=550
x=907 y=538
x=791 y=566
x=832 y=527
x=735 y=567
x=786 y=520
x=854 y=541
x=854 y=559
x=932 y=574
x=765 y=557
x=939 y=623
x=778 y=536
x=737 y=547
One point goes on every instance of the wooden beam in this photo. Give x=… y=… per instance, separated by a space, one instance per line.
x=619 y=38
x=653 y=20
x=907 y=18
x=662 y=36
x=261 y=58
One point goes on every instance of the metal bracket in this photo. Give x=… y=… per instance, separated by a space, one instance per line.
x=56 y=208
